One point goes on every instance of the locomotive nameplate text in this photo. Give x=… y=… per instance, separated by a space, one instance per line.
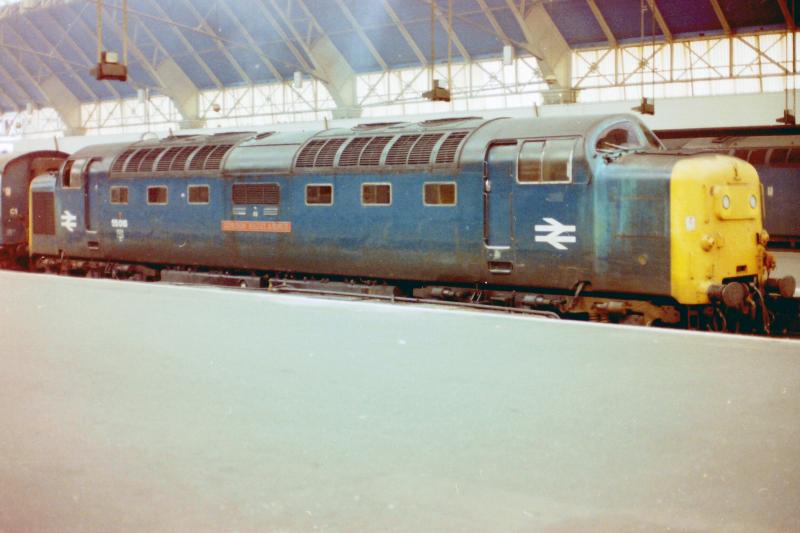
x=257 y=226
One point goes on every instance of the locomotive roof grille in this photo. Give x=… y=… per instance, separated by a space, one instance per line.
x=166 y=160
x=398 y=153
x=119 y=162
x=214 y=159
x=328 y=152
x=150 y=159
x=448 y=149
x=179 y=163
x=309 y=153
x=371 y=156
x=198 y=162
x=133 y=162
x=423 y=148
x=352 y=152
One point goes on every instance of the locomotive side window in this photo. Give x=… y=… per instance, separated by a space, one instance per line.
x=439 y=194
x=157 y=195
x=119 y=195
x=376 y=194
x=72 y=176
x=557 y=165
x=319 y=194
x=530 y=162
x=546 y=161
x=198 y=194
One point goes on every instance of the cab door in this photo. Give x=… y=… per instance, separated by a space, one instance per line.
x=76 y=215
x=498 y=177
x=553 y=213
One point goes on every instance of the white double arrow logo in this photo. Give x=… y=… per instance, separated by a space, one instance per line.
x=69 y=221
x=555 y=233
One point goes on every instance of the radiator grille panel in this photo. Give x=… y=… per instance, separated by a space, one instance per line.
x=257 y=193
x=44 y=216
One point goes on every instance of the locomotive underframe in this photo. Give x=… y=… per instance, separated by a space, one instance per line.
x=748 y=317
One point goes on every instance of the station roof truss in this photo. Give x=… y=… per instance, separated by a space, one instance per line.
x=178 y=48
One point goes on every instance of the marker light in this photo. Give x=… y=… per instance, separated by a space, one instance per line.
x=753 y=201
x=726 y=201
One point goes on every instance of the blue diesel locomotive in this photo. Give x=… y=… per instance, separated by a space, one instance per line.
x=584 y=216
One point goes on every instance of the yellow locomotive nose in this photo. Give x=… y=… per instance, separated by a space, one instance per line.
x=717 y=232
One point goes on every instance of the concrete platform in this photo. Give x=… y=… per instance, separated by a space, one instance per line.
x=136 y=407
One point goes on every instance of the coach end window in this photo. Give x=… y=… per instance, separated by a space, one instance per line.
x=546 y=161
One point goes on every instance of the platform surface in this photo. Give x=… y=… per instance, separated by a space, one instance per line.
x=143 y=407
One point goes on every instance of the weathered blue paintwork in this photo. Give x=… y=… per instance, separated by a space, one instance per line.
x=618 y=205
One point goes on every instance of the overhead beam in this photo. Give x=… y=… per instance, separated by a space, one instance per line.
x=662 y=24
x=305 y=66
x=182 y=38
x=601 y=20
x=444 y=20
x=787 y=15
x=330 y=65
x=723 y=20
x=252 y=42
x=176 y=85
x=71 y=41
x=56 y=94
x=363 y=36
x=551 y=50
x=404 y=32
x=221 y=47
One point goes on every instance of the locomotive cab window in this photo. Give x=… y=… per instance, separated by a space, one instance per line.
x=157 y=195
x=198 y=194
x=319 y=194
x=439 y=194
x=376 y=194
x=546 y=161
x=621 y=136
x=119 y=195
x=72 y=175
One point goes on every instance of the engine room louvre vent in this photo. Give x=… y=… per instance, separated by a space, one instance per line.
x=309 y=153
x=448 y=149
x=119 y=162
x=256 y=193
x=328 y=153
x=198 y=162
x=133 y=161
x=352 y=152
x=421 y=153
x=179 y=163
x=214 y=160
x=150 y=159
x=371 y=155
x=398 y=153
x=166 y=159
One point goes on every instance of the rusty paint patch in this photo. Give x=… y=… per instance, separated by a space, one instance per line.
x=253 y=226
